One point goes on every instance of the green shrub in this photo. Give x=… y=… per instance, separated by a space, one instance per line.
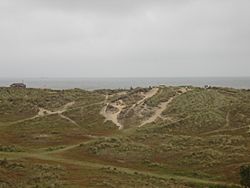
x=245 y=176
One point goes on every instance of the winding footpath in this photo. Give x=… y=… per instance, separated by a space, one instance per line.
x=162 y=107
x=147 y=95
x=50 y=156
x=44 y=112
x=113 y=116
x=119 y=105
x=158 y=112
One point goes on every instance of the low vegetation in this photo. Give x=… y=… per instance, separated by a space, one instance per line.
x=245 y=176
x=24 y=174
x=11 y=148
x=200 y=140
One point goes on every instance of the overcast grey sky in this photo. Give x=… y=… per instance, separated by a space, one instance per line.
x=124 y=38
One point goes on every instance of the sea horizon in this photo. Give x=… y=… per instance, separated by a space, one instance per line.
x=93 y=83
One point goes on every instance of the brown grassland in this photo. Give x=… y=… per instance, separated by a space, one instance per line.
x=170 y=137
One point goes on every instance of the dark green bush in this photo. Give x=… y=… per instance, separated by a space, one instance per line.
x=245 y=176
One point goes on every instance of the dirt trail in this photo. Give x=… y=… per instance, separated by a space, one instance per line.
x=70 y=120
x=44 y=112
x=147 y=95
x=69 y=147
x=227 y=119
x=158 y=112
x=59 y=159
x=163 y=106
x=119 y=105
x=227 y=130
x=109 y=116
x=113 y=116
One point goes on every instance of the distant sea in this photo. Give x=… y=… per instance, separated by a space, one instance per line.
x=116 y=83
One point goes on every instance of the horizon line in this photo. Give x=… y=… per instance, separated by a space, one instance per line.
x=59 y=77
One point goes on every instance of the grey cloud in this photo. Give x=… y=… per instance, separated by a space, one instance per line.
x=124 y=38
x=108 y=6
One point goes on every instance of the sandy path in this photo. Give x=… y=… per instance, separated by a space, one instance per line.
x=109 y=116
x=227 y=130
x=147 y=95
x=227 y=119
x=113 y=116
x=158 y=112
x=163 y=106
x=70 y=120
x=44 y=112
x=69 y=147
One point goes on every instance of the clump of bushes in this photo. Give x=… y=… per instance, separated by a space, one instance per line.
x=11 y=148
x=226 y=140
x=55 y=148
x=118 y=148
x=245 y=176
x=164 y=95
x=45 y=175
x=206 y=158
x=10 y=165
x=4 y=162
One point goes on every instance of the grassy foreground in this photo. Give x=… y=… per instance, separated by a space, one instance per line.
x=171 y=137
